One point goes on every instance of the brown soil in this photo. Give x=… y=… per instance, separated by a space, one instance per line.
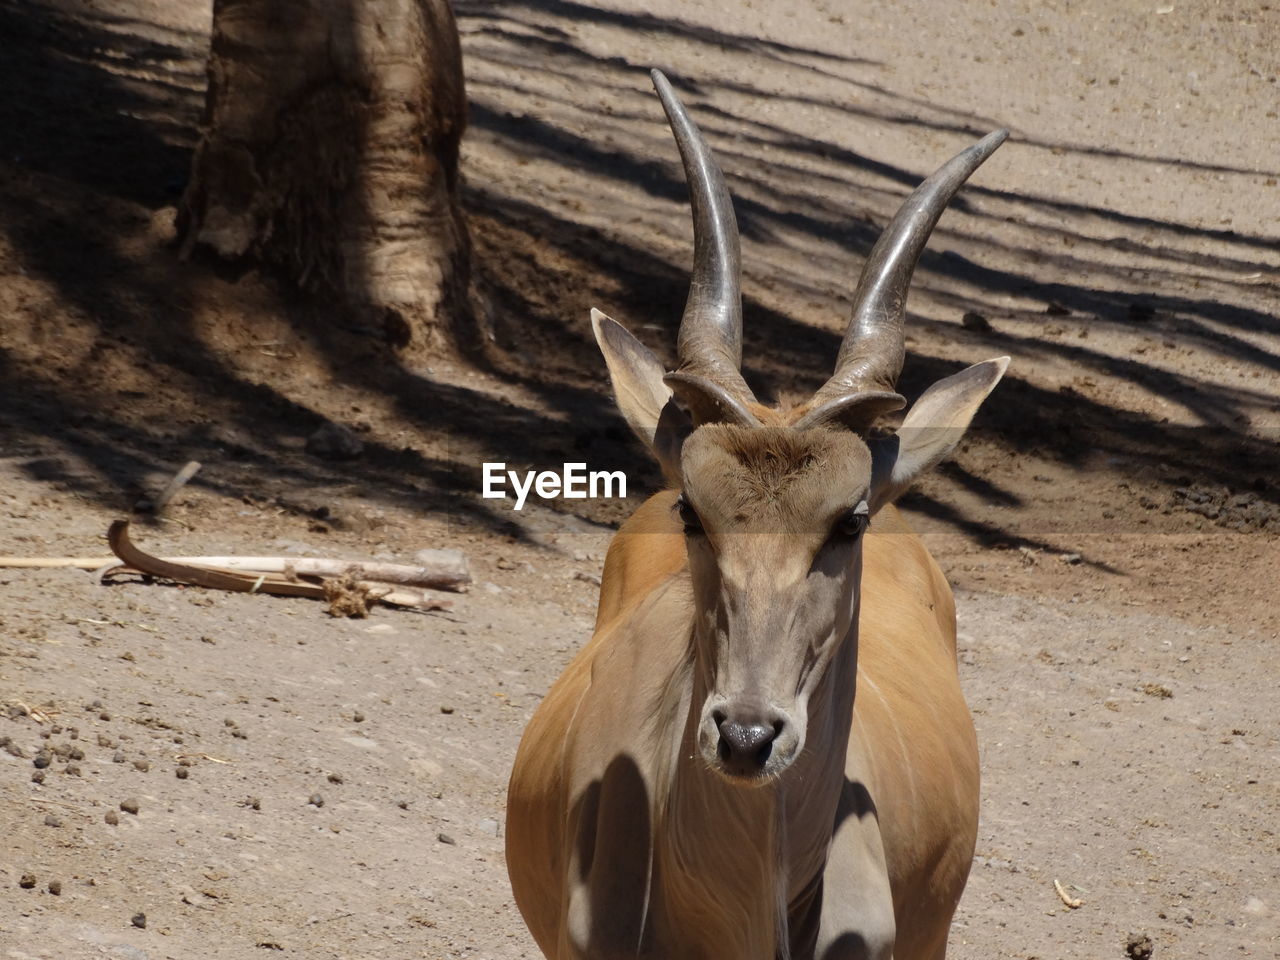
x=1111 y=526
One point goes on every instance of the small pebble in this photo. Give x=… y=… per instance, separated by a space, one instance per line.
x=28 y=881
x=104 y=715
x=105 y=741
x=140 y=921
x=14 y=750
x=96 y=705
x=358 y=717
x=73 y=733
x=37 y=777
x=445 y=838
x=42 y=760
x=55 y=887
x=182 y=773
x=445 y=708
x=73 y=769
x=403 y=804
x=142 y=765
x=255 y=803
x=316 y=800
x=51 y=821
x=112 y=817
x=129 y=806
x=76 y=753
x=335 y=778
x=57 y=728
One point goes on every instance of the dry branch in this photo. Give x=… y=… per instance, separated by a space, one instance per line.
x=1071 y=902
x=444 y=576
x=253 y=582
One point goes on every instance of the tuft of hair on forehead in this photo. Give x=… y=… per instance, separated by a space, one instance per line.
x=766 y=461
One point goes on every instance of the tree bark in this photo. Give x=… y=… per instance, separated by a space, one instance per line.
x=330 y=151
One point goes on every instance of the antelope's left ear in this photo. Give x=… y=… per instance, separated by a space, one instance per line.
x=933 y=427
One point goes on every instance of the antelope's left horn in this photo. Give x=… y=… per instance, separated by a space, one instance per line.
x=866 y=376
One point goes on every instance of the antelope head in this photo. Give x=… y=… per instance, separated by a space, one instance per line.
x=775 y=503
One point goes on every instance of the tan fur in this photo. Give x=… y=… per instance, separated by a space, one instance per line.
x=609 y=720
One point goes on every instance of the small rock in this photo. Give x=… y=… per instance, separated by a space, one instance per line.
x=104 y=715
x=55 y=887
x=444 y=708
x=335 y=778
x=402 y=804
x=358 y=717
x=1138 y=946
x=316 y=800
x=182 y=773
x=76 y=753
x=444 y=838
x=37 y=777
x=142 y=765
x=27 y=881
x=448 y=558
x=1055 y=309
x=112 y=817
x=334 y=442
x=51 y=821
x=1071 y=559
x=14 y=750
x=73 y=770
x=255 y=803
x=975 y=321
x=42 y=760
x=1255 y=907
x=139 y=920
x=130 y=806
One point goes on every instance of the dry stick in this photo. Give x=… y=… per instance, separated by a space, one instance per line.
x=438 y=577
x=1066 y=898
x=118 y=538
x=58 y=803
x=176 y=483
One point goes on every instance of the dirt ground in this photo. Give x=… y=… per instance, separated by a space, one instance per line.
x=1111 y=527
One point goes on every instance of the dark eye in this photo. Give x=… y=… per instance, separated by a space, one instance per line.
x=688 y=516
x=854 y=523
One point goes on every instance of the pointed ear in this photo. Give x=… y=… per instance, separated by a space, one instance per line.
x=644 y=400
x=933 y=427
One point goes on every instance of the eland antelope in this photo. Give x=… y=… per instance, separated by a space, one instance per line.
x=763 y=751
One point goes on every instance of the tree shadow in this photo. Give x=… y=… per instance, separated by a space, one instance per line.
x=576 y=200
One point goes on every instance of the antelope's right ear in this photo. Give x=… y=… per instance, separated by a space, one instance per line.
x=645 y=401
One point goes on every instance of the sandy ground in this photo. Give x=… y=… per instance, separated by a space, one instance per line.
x=1111 y=527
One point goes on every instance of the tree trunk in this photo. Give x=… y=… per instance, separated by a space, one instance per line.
x=330 y=151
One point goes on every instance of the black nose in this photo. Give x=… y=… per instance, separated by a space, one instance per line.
x=745 y=745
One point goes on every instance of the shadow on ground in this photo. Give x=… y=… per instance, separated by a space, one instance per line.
x=576 y=200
